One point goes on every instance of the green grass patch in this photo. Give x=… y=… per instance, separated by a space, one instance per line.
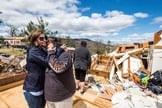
x=13 y=51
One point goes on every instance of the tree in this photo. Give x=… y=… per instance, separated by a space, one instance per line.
x=51 y=33
x=68 y=41
x=108 y=47
x=32 y=26
x=13 y=31
x=1 y=19
x=1 y=39
x=41 y=25
x=99 y=47
x=108 y=42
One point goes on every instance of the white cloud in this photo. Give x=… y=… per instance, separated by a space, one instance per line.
x=113 y=13
x=85 y=9
x=161 y=26
x=141 y=15
x=143 y=37
x=4 y=31
x=95 y=34
x=157 y=19
x=4 y=34
x=136 y=38
x=96 y=15
x=4 y=28
x=65 y=17
x=115 y=34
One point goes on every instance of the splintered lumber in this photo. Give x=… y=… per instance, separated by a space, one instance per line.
x=125 y=60
x=11 y=85
x=132 y=52
x=115 y=62
x=119 y=73
x=10 y=77
x=101 y=65
x=128 y=47
x=112 y=72
x=126 y=68
x=79 y=103
x=92 y=98
x=109 y=64
x=99 y=73
x=158 y=47
x=157 y=37
x=108 y=93
x=122 y=59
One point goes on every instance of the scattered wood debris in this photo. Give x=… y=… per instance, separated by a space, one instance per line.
x=126 y=72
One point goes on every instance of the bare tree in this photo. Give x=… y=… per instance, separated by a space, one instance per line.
x=13 y=31
x=1 y=19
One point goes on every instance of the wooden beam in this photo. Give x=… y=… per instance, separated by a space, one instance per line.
x=93 y=99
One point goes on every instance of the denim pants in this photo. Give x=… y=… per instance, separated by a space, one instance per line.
x=34 y=101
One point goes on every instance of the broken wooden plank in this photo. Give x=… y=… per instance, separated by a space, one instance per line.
x=124 y=57
x=93 y=99
x=132 y=52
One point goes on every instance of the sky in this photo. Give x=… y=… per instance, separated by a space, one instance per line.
x=118 y=21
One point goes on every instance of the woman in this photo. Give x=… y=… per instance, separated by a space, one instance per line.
x=36 y=65
x=59 y=79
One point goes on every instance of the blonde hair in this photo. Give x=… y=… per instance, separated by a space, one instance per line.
x=34 y=35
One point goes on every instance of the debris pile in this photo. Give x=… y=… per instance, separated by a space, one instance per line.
x=10 y=63
x=11 y=69
x=131 y=67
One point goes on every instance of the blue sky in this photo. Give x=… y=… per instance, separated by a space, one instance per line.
x=120 y=21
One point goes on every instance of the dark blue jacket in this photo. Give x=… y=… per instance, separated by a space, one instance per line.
x=36 y=65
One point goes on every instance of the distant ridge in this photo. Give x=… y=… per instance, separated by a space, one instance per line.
x=82 y=39
x=90 y=42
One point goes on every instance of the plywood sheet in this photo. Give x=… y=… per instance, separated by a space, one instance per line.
x=156 y=60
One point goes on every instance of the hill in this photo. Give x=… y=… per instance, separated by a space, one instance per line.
x=93 y=46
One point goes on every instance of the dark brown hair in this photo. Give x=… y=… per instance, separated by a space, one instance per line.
x=83 y=43
x=55 y=41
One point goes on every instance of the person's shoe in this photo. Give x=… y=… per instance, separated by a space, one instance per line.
x=82 y=91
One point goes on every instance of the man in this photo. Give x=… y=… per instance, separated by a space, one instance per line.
x=82 y=62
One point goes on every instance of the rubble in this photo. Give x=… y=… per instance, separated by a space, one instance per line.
x=10 y=63
x=10 y=69
x=129 y=67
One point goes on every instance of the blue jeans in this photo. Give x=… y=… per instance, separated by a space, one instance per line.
x=34 y=101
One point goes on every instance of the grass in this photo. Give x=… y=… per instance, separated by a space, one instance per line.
x=13 y=51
